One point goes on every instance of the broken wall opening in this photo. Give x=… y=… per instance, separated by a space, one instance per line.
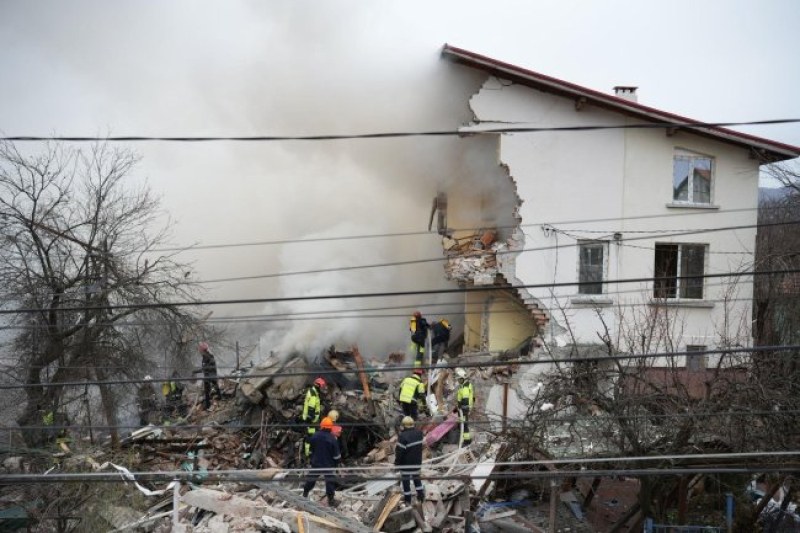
x=496 y=321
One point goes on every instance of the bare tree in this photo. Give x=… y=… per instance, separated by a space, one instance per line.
x=787 y=173
x=606 y=403
x=78 y=262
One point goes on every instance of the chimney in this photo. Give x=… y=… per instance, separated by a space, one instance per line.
x=628 y=92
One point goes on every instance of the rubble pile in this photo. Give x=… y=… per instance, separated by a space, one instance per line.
x=243 y=469
x=473 y=258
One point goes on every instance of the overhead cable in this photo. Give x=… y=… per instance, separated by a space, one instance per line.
x=409 y=368
x=396 y=134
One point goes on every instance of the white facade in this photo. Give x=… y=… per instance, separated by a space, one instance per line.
x=615 y=186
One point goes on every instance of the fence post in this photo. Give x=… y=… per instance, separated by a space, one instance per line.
x=648 y=525
x=729 y=511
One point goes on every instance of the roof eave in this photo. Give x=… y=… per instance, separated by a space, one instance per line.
x=764 y=149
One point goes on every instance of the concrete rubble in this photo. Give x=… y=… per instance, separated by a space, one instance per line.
x=255 y=428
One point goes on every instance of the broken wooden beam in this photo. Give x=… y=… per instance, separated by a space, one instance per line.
x=361 y=374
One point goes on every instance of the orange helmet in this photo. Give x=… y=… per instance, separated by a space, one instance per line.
x=419 y=371
x=417 y=314
x=326 y=423
x=320 y=382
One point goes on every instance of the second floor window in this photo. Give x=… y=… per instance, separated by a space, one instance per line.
x=591 y=266
x=691 y=178
x=676 y=264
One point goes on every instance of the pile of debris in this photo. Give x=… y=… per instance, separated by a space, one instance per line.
x=473 y=258
x=242 y=468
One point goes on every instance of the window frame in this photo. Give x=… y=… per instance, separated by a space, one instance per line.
x=700 y=359
x=677 y=286
x=682 y=153
x=603 y=246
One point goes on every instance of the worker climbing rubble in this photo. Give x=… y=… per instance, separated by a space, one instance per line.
x=147 y=402
x=465 y=398
x=412 y=393
x=312 y=410
x=419 y=333
x=325 y=456
x=408 y=459
x=440 y=338
x=172 y=391
x=209 y=369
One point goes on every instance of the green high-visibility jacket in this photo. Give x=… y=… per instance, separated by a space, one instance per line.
x=411 y=388
x=312 y=405
x=465 y=395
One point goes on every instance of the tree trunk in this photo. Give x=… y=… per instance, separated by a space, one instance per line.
x=109 y=403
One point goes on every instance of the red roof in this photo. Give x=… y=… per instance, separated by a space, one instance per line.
x=769 y=150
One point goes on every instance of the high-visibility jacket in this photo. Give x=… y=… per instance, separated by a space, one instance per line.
x=312 y=407
x=465 y=395
x=411 y=389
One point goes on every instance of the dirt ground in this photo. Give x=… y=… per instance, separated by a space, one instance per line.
x=613 y=498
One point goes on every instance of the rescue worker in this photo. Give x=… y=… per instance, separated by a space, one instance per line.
x=209 y=369
x=172 y=391
x=412 y=391
x=312 y=410
x=408 y=459
x=146 y=400
x=325 y=455
x=465 y=396
x=440 y=338
x=419 y=332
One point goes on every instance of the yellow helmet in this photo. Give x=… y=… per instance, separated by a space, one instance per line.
x=333 y=415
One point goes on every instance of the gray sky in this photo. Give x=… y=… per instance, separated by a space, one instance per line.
x=302 y=67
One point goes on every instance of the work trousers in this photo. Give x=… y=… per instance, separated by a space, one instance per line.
x=330 y=482
x=436 y=351
x=419 y=354
x=406 y=477
x=410 y=409
x=307 y=440
x=210 y=385
x=464 y=418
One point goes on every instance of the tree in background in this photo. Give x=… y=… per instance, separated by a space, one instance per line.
x=80 y=269
x=595 y=401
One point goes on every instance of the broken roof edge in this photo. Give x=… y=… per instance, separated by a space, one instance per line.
x=766 y=149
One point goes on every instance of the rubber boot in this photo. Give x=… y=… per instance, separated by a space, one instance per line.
x=332 y=502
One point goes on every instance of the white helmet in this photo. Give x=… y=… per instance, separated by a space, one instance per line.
x=461 y=373
x=147 y=378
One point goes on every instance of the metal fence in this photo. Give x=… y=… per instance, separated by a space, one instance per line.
x=650 y=527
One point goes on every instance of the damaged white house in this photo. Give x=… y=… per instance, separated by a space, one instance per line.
x=594 y=206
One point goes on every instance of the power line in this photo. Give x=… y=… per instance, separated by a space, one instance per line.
x=386 y=294
x=398 y=134
x=256 y=476
x=408 y=368
x=493 y=419
x=339 y=314
x=192 y=247
x=680 y=233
